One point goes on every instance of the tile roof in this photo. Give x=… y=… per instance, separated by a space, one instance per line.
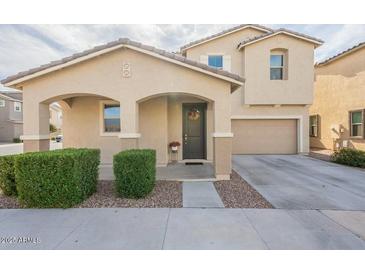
x=341 y=54
x=223 y=33
x=278 y=31
x=13 y=95
x=127 y=42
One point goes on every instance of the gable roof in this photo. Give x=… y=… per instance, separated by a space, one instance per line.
x=12 y=96
x=234 y=79
x=223 y=33
x=341 y=54
x=298 y=35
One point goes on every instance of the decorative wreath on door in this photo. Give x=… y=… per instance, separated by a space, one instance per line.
x=194 y=114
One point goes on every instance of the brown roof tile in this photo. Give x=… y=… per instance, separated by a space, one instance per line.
x=243 y=43
x=123 y=41
x=338 y=55
x=222 y=33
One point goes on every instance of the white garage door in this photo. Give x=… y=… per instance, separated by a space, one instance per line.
x=264 y=136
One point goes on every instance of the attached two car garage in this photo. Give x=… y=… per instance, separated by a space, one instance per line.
x=265 y=136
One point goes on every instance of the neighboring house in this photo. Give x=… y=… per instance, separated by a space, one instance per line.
x=338 y=112
x=55 y=115
x=246 y=90
x=11 y=116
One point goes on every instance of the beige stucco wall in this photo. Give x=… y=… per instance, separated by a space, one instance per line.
x=81 y=128
x=339 y=88
x=146 y=99
x=285 y=99
x=225 y=45
x=297 y=89
x=102 y=76
x=153 y=126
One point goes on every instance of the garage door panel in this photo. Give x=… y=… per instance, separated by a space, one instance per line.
x=264 y=136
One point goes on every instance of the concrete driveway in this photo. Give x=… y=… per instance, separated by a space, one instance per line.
x=301 y=182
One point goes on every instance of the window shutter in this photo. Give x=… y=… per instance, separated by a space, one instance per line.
x=227 y=63
x=204 y=59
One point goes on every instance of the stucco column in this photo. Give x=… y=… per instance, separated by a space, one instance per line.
x=129 y=134
x=222 y=139
x=36 y=125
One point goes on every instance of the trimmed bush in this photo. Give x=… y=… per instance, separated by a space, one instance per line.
x=7 y=175
x=135 y=172
x=56 y=179
x=350 y=157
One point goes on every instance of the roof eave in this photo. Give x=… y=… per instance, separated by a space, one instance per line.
x=13 y=81
x=316 y=43
x=206 y=40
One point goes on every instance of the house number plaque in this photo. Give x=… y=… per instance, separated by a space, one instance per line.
x=126 y=70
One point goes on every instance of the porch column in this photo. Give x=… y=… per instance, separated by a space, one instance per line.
x=129 y=134
x=35 y=125
x=222 y=139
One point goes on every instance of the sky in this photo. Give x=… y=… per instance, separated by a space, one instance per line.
x=26 y=46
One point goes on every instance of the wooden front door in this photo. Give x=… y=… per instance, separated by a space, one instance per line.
x=194 y=127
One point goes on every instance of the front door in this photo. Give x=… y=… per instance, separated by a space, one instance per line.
x=194 y=125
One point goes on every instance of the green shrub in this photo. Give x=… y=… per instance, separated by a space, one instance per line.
x=17 y=140
x=52 y=128
x=135 y=172
x=350 y=157
x=60 y=178
x=7 y=175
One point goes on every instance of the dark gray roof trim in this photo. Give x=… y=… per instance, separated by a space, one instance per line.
x=224 y=32
x=123 y=41
x=338 y=55
x=277 y=31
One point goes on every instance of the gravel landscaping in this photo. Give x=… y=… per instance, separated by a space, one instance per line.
x=237 y=193
x=8 y=202
x=165 y=194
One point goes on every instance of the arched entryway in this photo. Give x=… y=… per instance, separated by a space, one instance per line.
x=177 y=117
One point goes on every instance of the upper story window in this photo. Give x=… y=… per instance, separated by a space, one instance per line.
x=278 y=64
x=357 y=123
x=17 y=107
x=215 y=61
x=2 y=103
x=313 y=126
x=111 y=118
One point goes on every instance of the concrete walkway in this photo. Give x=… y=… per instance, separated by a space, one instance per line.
x=201 y=194
x=181 y=228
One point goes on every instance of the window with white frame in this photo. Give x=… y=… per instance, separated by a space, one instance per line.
x=215 y=61
x=313 y=126
x=357 y=123
x=279 y=64
x=276 y=67
x=111 y=118
x=2 y=103
x=17 y=107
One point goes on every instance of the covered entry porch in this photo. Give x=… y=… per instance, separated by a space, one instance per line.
x=145 y=91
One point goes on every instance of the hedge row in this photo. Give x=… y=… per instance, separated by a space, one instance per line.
x=66 y=177
x=350 y=157
x=59 y=178
x=7 y=175
x=135 y=172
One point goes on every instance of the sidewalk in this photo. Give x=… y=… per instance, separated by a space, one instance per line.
x=183 y=228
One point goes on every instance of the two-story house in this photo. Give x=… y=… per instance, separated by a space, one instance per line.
x=11 y=116
x=337 y=116
x=246 y=90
